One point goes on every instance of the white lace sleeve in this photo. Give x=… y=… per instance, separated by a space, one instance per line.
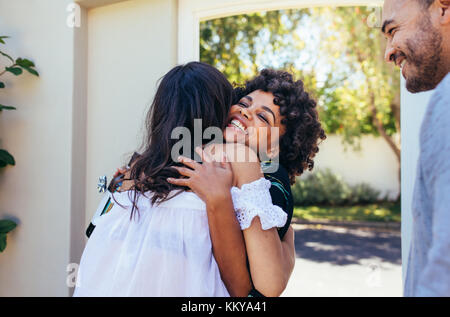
x=253 y=200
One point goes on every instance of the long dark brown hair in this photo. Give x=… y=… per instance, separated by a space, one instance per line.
x=187 y=92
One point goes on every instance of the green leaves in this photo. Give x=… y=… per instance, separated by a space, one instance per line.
x=7 y=56
x=3 y=37
x=236 y=45
x=27 y=65
x=22 y=63
x=14 y=70
x=6 y=158
x=5 y=227
x=3 y=42
x=2 y=241
x=326 y=188
x=2 y=107
x=18 y=65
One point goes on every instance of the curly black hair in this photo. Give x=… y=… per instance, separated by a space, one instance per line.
x=300 y=143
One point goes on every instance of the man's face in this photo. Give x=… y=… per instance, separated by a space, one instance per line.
x=414 y=44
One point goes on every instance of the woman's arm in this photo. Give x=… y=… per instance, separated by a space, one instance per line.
x=229 y=247
x=212 y=183
x=271 y=260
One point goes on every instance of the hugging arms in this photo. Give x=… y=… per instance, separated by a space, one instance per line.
x=270 y=259
x=273 y=116
x=250 y=259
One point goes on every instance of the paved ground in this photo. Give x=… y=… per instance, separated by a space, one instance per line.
x=338 y=261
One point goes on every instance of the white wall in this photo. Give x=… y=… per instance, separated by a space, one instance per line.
x=37 y=191
x=130 y=46
x=100 y=75
x=375 y=164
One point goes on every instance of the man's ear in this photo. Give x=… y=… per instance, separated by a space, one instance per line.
x=444 y=7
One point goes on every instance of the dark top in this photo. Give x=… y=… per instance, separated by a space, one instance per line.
x=281 y=194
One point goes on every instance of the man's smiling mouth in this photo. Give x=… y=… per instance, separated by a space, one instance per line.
x=400 y=60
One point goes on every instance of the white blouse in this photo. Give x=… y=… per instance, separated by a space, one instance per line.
x=166 y=249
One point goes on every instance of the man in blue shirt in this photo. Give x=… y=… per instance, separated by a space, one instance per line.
x=418 y=40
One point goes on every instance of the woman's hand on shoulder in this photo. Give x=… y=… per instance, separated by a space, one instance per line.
x=244 y=161
x=211 y=181
x=224 y=166
x=120 y=171
x=126 y=182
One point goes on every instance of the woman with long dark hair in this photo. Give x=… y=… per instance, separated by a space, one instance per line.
x=165 y=248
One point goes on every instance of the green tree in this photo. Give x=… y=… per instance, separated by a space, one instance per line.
x=233 y=44
x=361 y=94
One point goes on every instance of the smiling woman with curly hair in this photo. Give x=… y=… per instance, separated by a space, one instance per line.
x=277 y=119
x=303 y=131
